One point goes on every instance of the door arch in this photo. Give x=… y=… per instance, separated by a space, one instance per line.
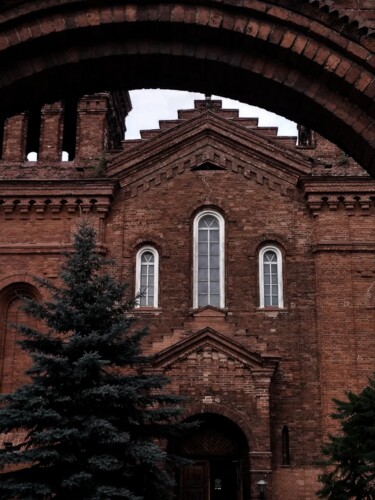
x=219 y=453
x=297 y=59
x=13 y=360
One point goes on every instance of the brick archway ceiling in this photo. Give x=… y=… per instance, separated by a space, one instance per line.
x=299 y=58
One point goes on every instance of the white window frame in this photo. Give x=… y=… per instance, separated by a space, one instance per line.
x=279 y=260
x=221 y=221
x=138 y=267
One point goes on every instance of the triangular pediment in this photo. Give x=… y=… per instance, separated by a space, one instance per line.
x=209 y=142
x=209 y=338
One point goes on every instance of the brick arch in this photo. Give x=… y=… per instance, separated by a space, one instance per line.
x=294 y=58
x=239 y=419
x=13 y=361
x=270 y=239
x=147 y=238
x=26 y=280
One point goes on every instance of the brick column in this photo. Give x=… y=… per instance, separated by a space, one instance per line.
x=260 y=459
x=91 y=127
x=15 y=138
x=51 y=132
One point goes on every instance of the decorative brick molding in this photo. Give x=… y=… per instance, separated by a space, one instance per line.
x=354 y=195
x=21 y=198
x=208 y=139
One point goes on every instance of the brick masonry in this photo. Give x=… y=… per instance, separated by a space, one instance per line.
x=262 y=369
x=310 y=60
x=357 y=9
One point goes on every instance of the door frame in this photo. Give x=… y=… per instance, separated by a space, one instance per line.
x=206 y=462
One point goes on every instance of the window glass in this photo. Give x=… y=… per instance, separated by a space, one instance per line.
x=209 y=260
x=270 y=278
x=271 y=296
x=147 y=277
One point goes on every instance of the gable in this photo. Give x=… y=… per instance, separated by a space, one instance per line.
x=209 y=340
x=208 y=142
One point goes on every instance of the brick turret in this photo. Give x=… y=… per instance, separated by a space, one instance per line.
x=77 y=131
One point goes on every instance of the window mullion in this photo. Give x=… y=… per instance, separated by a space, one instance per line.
x=209 y=266
x=147 y=281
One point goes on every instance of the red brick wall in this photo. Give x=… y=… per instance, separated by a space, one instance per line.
x=311 y=203
x=361 y=10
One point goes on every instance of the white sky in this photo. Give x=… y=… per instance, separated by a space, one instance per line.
x=150 y=106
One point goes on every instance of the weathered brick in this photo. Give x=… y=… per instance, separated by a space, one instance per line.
x=300 y=44
x=322 y=226
x=264 y=31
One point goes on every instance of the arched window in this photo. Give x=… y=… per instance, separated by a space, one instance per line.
x=13 y=360
x=270 y=277
x=208 y=260
x=147 y=277
x=285 y=445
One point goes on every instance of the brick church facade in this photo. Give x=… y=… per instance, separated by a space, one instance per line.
x=255 y=254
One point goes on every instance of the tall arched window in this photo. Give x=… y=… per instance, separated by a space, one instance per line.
x=147 y=277
x=285 y=445
x=270 y=277
x=208 y=260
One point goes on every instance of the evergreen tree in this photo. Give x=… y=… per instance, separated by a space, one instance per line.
x=351 y=455
x=92 y=420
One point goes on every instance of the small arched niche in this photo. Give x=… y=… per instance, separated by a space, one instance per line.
x=13 y=360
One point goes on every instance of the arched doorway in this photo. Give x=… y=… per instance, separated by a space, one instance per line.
x=218 y=451
x=13 y=360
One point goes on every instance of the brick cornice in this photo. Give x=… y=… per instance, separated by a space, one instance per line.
x=53 y=197
x=44 y=248
x=335 y=246
x=154 y=177
x=352 y=193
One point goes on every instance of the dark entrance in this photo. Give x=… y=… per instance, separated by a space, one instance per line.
x=223 y=479
x=213 y=479
x=219 y=455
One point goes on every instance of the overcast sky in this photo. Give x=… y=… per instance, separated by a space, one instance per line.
x=150 y=106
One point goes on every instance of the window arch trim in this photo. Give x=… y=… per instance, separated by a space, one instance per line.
x=279 y=277
x=150 y=301
x=221 y=222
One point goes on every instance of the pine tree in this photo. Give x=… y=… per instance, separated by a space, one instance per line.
x=92 y=419
x=351 y=455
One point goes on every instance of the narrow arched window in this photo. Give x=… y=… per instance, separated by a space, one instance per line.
x=147 y=277
x=14 y=362
x=285 y=445
x=209 y=260
x=270 y=277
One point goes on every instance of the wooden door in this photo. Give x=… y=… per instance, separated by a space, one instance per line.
x=195 y=481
